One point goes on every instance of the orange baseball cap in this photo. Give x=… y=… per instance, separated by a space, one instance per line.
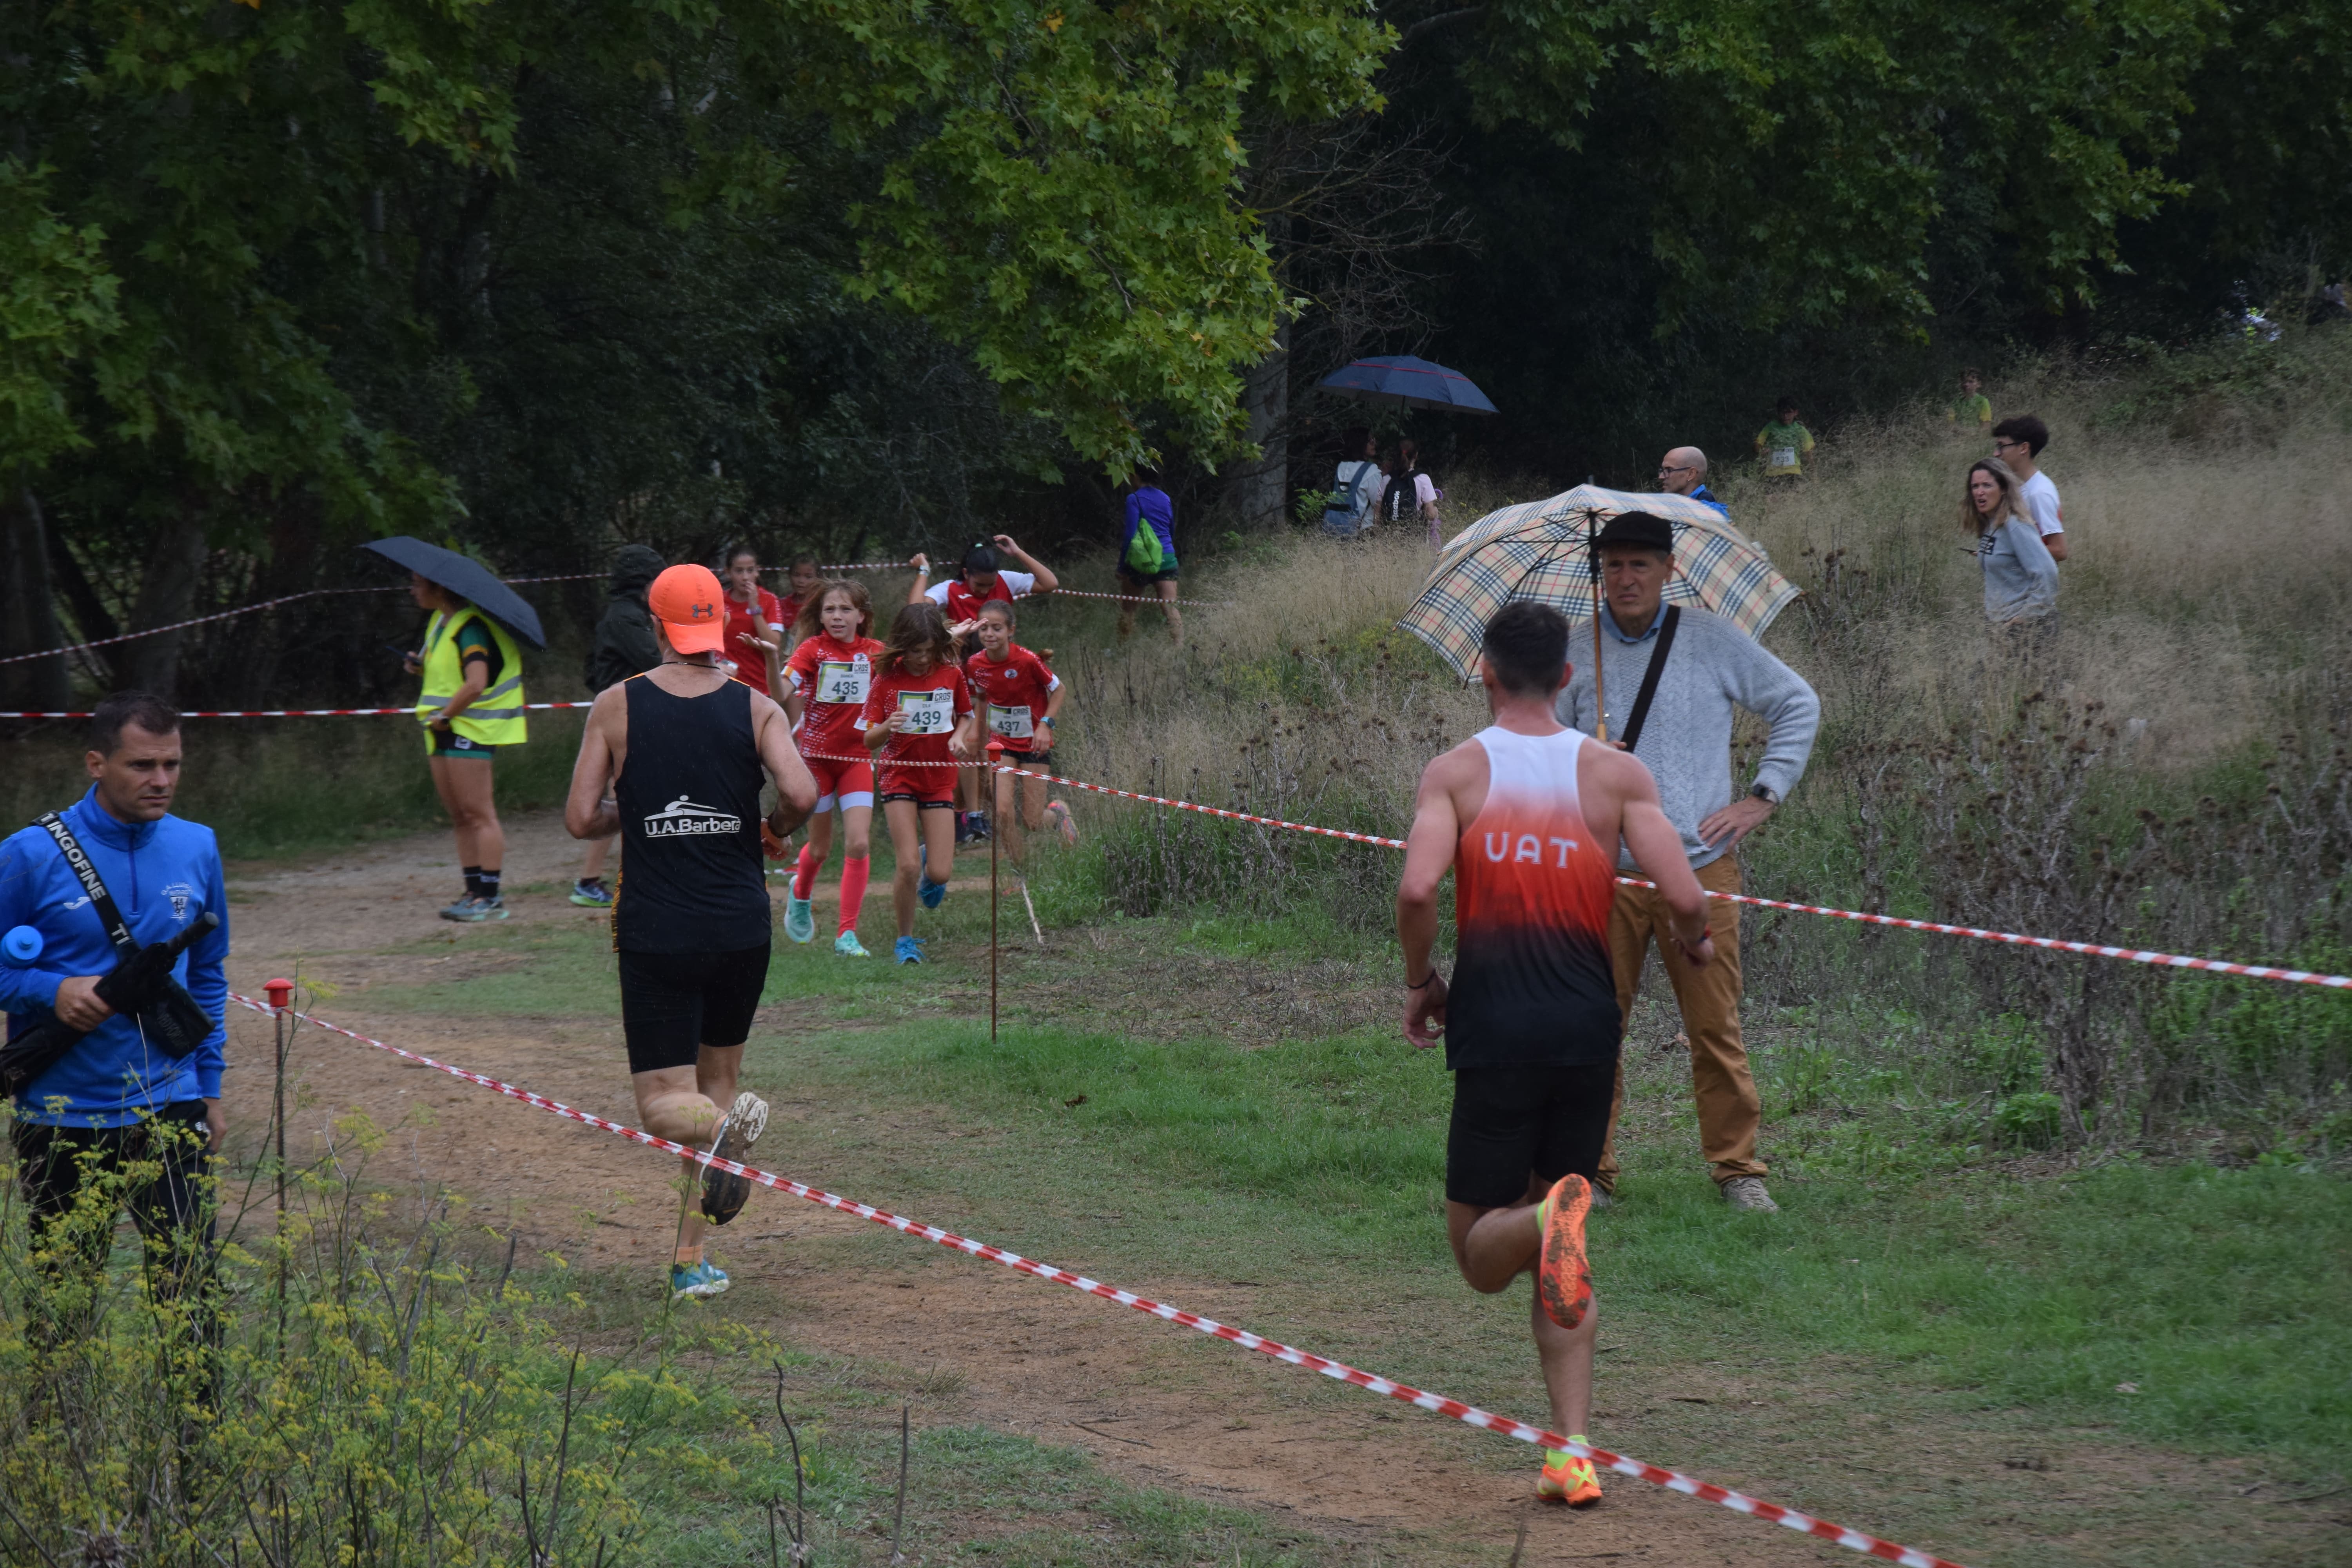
x=691 y=607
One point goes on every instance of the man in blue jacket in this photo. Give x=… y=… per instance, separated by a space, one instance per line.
x=115 y=1108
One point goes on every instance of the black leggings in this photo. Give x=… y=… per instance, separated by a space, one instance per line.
x=75 y=1179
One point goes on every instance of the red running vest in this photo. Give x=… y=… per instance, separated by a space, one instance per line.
x=1531 y=897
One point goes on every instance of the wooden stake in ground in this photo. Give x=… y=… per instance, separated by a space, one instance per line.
x=281 y=994
x=995 y=831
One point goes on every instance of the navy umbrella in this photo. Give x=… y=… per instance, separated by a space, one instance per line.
x=466 y=578
x=1413 y=383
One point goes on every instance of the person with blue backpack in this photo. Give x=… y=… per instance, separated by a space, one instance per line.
x=1352 y=506
x=1147 y=554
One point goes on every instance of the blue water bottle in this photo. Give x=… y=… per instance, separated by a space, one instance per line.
x=20 y=946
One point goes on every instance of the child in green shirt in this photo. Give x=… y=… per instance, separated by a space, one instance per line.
x=1783 y=446
x=1973 y=412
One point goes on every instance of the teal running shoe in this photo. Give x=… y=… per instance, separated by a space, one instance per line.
x=473 y=908
x=931 y=893
x=595 y=894
x=909 y=950
x=848 y=947
x=800 y=921
x=702 y=1278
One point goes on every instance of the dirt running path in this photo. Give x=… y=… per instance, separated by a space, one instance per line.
x=1151 y=1401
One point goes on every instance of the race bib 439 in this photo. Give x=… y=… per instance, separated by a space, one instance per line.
x=927 y=712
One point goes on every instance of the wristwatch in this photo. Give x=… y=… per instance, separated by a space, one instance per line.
x=1764 y=793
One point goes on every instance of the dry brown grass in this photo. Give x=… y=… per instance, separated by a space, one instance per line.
x=2202 y=608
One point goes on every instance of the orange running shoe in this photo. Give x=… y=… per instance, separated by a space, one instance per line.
x=1568 y=1480
x=1563 y=1279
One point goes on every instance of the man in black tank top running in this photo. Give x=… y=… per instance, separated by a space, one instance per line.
x=680 y=752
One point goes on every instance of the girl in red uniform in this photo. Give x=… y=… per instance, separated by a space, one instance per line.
x=1022 y=698
x=983 y=580
x=919 y=719
x=823 y=687
x=802 y=586
x=755 y=621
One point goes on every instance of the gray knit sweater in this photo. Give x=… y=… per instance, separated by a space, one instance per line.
x=1713 y=667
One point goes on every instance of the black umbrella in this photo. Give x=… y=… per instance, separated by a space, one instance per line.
x=1414 y=383
x=466 y=578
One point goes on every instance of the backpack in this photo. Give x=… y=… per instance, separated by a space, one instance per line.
x=1144 y=558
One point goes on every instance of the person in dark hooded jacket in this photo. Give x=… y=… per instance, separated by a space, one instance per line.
x=624 y=647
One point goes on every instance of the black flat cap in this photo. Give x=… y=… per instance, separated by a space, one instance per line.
x=1639 y=530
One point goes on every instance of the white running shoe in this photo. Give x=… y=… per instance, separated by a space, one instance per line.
x=724 y=1191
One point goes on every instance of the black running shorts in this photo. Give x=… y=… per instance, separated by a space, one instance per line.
x=673 y=1004
x=920 y=802
x=1517 y=1121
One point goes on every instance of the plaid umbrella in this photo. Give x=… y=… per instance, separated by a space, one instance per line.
x=1541 y=550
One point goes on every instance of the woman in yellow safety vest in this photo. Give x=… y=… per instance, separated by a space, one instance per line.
x=472 y=705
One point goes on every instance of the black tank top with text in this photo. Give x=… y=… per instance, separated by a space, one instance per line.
x=692 y=878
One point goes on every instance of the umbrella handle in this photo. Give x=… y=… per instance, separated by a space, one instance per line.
x=1600 y=707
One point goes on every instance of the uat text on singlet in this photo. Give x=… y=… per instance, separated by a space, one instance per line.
x=1531 y=895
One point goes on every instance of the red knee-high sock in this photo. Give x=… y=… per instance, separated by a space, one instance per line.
x=804 y=871
x=853 y=889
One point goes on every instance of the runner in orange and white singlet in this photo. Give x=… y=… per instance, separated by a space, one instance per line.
x=823 y=688
x=1527 y=815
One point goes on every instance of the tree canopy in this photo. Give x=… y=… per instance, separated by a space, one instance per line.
x=540 y=274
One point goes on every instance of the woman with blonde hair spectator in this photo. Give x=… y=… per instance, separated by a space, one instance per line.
x=2021 y=577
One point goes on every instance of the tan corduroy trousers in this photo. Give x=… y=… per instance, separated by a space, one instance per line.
x=1728 y=1108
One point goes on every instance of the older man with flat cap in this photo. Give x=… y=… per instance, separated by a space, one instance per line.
x=1674 y=677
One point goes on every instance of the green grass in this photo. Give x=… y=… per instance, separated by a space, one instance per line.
x=2216 y=1293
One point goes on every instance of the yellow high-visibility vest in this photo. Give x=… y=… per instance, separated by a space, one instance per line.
x=496 y=717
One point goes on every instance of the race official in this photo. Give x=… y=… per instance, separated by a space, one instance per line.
x=115 y=1099
x=1711 y=671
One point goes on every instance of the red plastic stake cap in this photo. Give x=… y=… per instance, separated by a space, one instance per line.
x=996 y=751
x=281 y=993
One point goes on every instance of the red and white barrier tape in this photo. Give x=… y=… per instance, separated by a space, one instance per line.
x=2050 y=943
x=1210 y=810
x=294 y=713
x=1673 y=1481
x=2054 y=944
x=1122 y=598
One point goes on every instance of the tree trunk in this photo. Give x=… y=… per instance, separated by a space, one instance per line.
x=1261 y=489
x=28 y=619
x=166 y=593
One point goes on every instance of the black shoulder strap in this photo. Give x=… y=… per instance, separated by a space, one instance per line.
x=1633 y=735
x=117 y=932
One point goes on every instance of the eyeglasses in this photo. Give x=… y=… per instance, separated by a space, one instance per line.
x=2003 y=443
x=1678 y=467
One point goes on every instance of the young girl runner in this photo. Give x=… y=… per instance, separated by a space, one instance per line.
x=1023 y=699
x=755 y=619
x=823 y=687
x=919 y=717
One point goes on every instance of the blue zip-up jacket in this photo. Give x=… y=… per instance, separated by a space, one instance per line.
x=161 y=875
x=1148 y=506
